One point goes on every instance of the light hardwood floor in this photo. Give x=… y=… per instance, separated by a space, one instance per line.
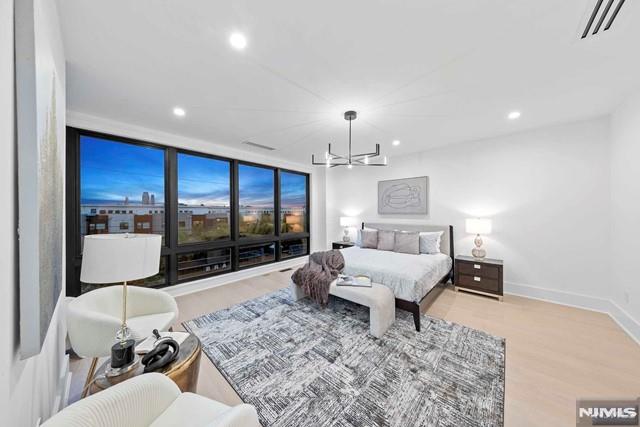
x=555 y=354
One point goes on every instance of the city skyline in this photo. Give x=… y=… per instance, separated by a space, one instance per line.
x=112 y=171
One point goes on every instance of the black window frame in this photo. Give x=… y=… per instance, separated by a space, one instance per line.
x=307 y=225
x=171 y=249
x=247 y=240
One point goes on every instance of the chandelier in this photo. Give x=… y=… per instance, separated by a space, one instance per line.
x=331 y=160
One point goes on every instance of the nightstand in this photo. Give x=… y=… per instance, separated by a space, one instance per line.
x=481 y=276
x=341 y=245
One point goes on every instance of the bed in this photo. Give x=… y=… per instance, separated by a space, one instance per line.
x=414 y=279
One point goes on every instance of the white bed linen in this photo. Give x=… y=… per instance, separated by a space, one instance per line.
x=409 y=276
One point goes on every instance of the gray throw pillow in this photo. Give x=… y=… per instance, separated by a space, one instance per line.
x=430 y=242
x=386 y=240
x=407 y=243
x=369 y=239
x=359 y=236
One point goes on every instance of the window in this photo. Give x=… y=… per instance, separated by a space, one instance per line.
x=293 y=202
x=255 y=255
x=293 y=248
x=203 y=263
x=204 y=198
x=114 y=176
x=216 y=215
x=256 y=197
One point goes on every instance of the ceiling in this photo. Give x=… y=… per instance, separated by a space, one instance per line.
x=426 y=73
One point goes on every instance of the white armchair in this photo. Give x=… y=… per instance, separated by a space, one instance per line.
x=152 y=400
x=94 y=318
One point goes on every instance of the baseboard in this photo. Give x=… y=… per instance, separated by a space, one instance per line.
x=630 y=325
x=224 y=279
x=558 y=297
x=587 y=302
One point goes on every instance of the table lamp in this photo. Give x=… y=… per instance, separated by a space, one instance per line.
x=346 y=222
x=478 y=226
x=114 y=258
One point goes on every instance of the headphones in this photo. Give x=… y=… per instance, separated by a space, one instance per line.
x=165 y=350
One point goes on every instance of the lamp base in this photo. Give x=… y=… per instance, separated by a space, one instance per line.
x=130 y=369
x=123 y=354
x=478 y=252
x=346 y=238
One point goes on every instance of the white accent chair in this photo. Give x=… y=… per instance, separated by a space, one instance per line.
x=94 y=318
x=152 y=400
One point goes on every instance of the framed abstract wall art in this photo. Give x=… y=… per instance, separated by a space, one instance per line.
x=406 y=196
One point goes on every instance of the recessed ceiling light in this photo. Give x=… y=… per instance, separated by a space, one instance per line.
x=238 y=41
x=514 y=115
x=179 y=111
x=396 y=142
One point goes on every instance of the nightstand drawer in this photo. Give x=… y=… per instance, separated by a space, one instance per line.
x=479 y=282
x=479 y=269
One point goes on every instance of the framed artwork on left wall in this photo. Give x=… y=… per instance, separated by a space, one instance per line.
x=40 y=112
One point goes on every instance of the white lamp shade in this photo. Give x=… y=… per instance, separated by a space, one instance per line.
x=113 y=258
x=478 y=225
x=347 y=221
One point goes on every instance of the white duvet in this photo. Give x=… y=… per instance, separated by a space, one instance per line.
x=410 y=277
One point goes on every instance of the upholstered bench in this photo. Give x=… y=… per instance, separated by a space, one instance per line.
x=379 y=299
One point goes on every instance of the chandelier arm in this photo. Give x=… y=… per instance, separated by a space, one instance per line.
x=313 y=161
x=374 y=154
x=370 y=155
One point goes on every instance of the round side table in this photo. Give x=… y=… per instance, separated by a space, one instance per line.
x=183 y=371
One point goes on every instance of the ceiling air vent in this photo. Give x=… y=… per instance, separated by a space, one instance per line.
x=263 y=147
x=604 y=12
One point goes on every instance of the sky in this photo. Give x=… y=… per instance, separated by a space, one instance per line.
x=111 y=171
x=293 y=188
x=203 y=181
x=256 y=186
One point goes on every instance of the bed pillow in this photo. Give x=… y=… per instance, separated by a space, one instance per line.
x=369 y=239
x=386 y=240
x=430 y=242
x=407 y=243
x=359 y=235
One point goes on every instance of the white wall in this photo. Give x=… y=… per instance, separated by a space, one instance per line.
x=547 y=192
x=625 y=208
x=29 y=389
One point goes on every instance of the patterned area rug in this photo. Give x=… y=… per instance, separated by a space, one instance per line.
x=300 y=365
